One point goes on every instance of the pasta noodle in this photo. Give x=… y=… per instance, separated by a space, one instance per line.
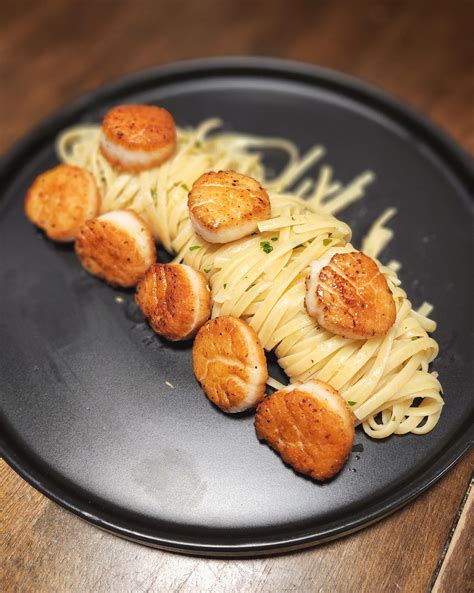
x=261 y=278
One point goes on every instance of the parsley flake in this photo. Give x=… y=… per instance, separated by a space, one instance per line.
x=274 y=239
x=194 y=247
x=326 y=242
x=185 y=187
x=351 y=403
x=154 y=193
x=225 y=284
x=266 y=247
x=207 y=270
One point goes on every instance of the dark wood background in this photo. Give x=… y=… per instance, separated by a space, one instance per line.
x=422 y=51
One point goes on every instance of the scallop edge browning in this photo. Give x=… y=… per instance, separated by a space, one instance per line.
x=225 y=206
x=117 y=247
x=175 y=299
x=136 y=137
x=61 y=199
x=310 y=426
x=347 y=294
x=229 y=363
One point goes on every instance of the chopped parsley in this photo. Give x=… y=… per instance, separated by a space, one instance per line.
x=207 y=270
x=274 y=239
x=351 y=403
x=225 y=284
x=185 y=187
x=266 y=247
x=194 y=247
x=154 y=193
x=102 y=178
x=326 y=242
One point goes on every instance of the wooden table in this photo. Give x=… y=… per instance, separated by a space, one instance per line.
x=419 y=50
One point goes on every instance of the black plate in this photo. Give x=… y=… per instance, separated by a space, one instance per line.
x=87 y=417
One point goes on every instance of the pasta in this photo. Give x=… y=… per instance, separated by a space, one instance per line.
x=261 y=278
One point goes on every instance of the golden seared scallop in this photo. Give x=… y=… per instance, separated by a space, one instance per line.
x=226 y=206
x=230 y=364
x=60 y=200
x=117 y=247
x=137 y=137
x=175 y=299
x=349 y=296
x=310 y=426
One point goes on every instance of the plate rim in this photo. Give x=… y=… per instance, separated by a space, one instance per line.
x=446 y=148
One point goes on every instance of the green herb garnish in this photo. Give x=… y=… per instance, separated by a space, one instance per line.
x=326 y=242
x=225 y=284
x=102 y=178
x=351 y=403
x=194 y=247
x=274 y=239
x=207 y=270
x=154 y=193
x=266 y=247
x=185 y=187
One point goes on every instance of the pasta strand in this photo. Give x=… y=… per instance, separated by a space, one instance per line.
x=385 y=380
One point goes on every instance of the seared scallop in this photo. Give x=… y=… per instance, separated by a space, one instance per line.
x=60 y=200
x=230 y=364
x=349 y=296
x=117 y=247
x=226 y=206
x=175 y=299
x=310 y=426
x=137 y=137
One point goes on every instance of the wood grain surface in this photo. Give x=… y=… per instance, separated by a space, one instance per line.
x=457 y=566
x=421 y=51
